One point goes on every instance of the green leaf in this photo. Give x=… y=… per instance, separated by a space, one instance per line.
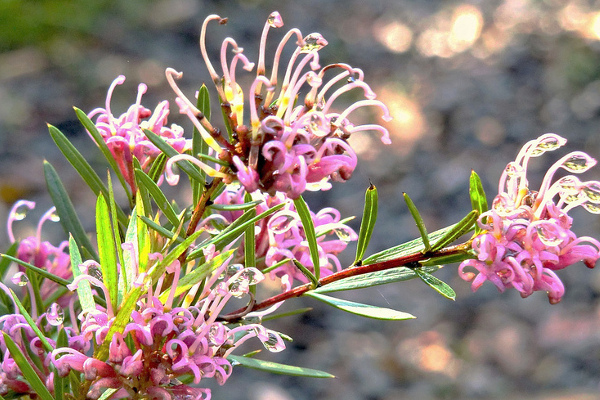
x=5 y=262
x=84 y=289
x=309 y=275
x=106 y=250
x=445 y=260
x=28 y=372
x=141 y=190
x=178 y=250
x=309 y=232
x=373 y=279
x=159 y=197
x=363 y=310
x=462 y=227
x=130 y=262
x=235 y=207
x=419 y=221
x=81 y=166
x=143 y=236
x=163 y=231
x=439 y=286
x=276 y=368
x=65 y=210
x=40 y=271
x=199 y=146
x=286 y=314
x=158 y=166
x=367 y=224
x=166 y=148
x=404 y=249
x=91 y=128
x=203 y=103
x=112 y=205
x=233 y=231
x=478 y=199
x=250 y=239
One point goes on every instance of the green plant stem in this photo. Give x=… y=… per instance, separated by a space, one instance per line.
x=410 y=260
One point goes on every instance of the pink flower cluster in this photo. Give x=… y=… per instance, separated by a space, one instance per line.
x=527 y=234
x=294 y=141
x=124 y=135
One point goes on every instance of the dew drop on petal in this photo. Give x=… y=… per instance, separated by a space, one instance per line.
x=231 y=270
x=569 y=185
x=20 y=279
x=314 y=41
x=54 y=216
x=547 y=235
x=548 y=143
x=55 y=315
x=592 y=191
x=95 y=272
x=578 y=162
x=21 y=212
x=591 y=207
x=274 y=343
x=275 y=20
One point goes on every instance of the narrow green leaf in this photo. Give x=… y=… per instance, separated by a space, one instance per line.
x=158 y=166
x=414 y=246
x=229 y=234
x=363 y=310
x=112 y=206
x=203 y=103
x=40 y=271
x=97 y=137
x=130 y=263
x=478 y=199
x=120 y=321
x=47 y=346
x=445 y=260
x=163 y=231
x=462 y=227
x=166 y=148
x=107 y=393
x=84 y=289
x=143 y=236
x=367 y=224
x=5 y=262
x=106 y=250
x=199 y=146
x=309 y=275
x=159 y=197
x=419 y=221
x=276 y=368
x=141 y=191
x=173 y=255
x=436 y=284
x=81 y=165
x=65 y=210
x=309 y=232
x=286 y=314
x=28 y=372
x=250 y=239
x=373 y=279
x=235 y=207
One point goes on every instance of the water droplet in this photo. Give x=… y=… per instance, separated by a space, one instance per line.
x=231 y=270
x=548 y=234
x=282 y=222
x=20 y=279
x=55 y=315
x=22 y=210
x=569 y=184
x=275 y=20
x=313 y=42
x=578 y=162
x=546 y=143
x=54 y=216
x=591 y=207
x=274 y=343
x=217 y=334
x=239 y=287
x=592 y=191
x=513 y=169
x=94 y=271
x=255 y=319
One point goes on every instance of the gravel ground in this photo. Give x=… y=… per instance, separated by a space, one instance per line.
x=467 y=83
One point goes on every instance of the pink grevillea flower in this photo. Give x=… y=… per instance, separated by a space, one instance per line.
x=40 y=253
x=527 y=234
x=124 y=135
x=294 y=139
x=168 y=338
x=280 y=236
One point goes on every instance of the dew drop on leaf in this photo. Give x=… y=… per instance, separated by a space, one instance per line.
x=55 y=315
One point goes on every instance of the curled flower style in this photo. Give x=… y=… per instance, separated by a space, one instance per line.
x=527 y=234
x=41 y=254
x=280 y=237
x=125 y=137
x=294 y=140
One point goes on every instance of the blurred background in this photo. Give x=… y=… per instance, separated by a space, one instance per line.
x=468 y=83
